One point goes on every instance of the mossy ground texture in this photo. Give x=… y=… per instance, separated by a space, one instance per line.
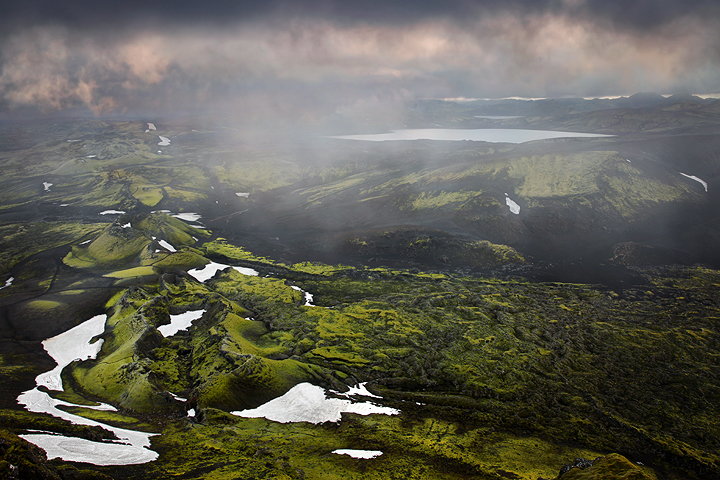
x=492 y=377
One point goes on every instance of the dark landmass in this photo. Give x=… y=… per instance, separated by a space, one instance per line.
x=583 y=327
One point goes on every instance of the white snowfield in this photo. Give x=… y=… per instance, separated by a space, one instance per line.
x=75 y=344
x=514 y=207
x=71 y=345
x=693 y=177
x=47 y=186
x=166 y=245
x=164 y=141
x=308 y=296
x=112 y=212
x=308 y=403
x=188 y=217
x=8 y=282
x=208 y=271
x=151 y=126
x=179 y=322
x=358 y=453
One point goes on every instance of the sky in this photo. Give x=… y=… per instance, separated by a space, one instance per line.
x=311 y=57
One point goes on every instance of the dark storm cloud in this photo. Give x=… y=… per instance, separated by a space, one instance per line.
x=290 y=57
x=640 y=14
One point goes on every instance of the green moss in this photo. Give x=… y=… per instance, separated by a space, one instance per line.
x=18 y=242
x=132 y=273
x=611 y=467
x=111 y=418
x=315 y=268
x=133 y=245
x=181 y=261
x=45 y=305
x=220 y=247
x=424 y=448
x=149 y=195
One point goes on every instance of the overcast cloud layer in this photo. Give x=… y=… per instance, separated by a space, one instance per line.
x=308 y=56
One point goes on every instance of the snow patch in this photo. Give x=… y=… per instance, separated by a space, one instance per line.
x=74 y=449
x=91 y=156
x=181 y=399
x=166 y=245
x=71 y=345
x=85 y=242
x=75 y=344
x=309 y=403
x=188 y=216
x=209 y=270
x=358 y=453
x=112 y=212
x=360 y=390
x=180 y=322
x=47 y=186
x=514 y=207
x=243 y=194
x=692 y=177
x=151 y=126
x=127 y=225
x=8 y=282
x=308 y=296
x=164 y=141
x=191 y=412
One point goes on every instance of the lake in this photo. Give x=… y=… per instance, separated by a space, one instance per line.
x=495 y=135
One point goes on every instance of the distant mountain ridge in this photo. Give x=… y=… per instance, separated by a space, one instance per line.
x=553 y=106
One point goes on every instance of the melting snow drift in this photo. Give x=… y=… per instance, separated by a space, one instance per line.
x=167 y=246
x=164 y=141
x=358 y=453
x=179 y=322
x=308 y=403
x=188 y=217
x=514 y=207
x=308 y=296
x=693 y=177
x=8 y=282
x=209 y=270
x=75 y=344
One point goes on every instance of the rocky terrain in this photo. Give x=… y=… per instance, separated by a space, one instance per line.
x=520 y=305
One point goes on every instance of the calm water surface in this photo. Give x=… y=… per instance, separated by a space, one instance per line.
x=498 y=135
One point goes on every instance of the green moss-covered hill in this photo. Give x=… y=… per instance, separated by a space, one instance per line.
x=494 y=376
x=564 y=364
